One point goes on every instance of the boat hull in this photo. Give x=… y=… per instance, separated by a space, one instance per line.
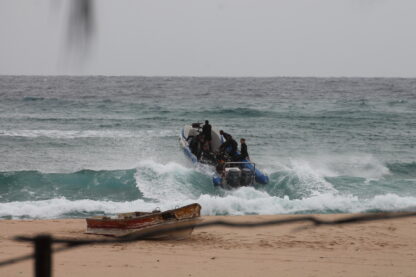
x=158 y=231
x=160 y=225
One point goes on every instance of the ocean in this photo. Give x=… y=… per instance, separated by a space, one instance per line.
x=72 y=147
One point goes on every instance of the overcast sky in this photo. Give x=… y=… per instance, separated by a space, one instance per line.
x=364 y=38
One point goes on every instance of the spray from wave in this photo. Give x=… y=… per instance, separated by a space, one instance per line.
x=296 y=187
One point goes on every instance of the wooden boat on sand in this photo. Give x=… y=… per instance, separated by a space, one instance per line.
x=156 y=223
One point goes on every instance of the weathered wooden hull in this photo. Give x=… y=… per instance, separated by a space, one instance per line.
x=158 y=224
x=158 y=231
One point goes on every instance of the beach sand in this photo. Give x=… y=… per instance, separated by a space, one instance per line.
x=382 y=248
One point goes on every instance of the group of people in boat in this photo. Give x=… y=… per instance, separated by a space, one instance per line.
x=230 y=146
x=200 y=146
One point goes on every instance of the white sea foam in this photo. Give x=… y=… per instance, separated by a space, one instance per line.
x=310 y=179
x=239 y=202
x=332 y=165
x=163 y=168
x=354 y=164
x=172 y=184
x=163 y=181
x=58 y=207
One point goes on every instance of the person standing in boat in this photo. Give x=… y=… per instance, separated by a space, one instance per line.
x=243 y=151
x=206 y=133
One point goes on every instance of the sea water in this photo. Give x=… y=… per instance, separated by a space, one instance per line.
x=81 y=146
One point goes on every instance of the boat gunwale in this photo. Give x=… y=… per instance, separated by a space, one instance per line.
x=149 y=218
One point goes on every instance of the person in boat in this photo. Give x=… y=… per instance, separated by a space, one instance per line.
x=200 y=146
x=192 y=140
x=229 y=146
x=243 y=150
x=226 y=143
x=224 y=134
x=220 y=166
x=206 y=132
x=233 y=148
x=193 y=144
x=206 y=153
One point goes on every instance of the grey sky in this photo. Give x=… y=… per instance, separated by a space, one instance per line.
x=215 y=38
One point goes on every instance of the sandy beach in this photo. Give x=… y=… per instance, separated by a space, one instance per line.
x=383 y=248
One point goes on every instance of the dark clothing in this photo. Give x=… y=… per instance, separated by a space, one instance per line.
x=234 y=146
x=193 y=145
x=230 y=146
x=206 y=132
x=227 y=141
x=200 y=148
x=244 y=153
x=226 y=136
x=198 y=151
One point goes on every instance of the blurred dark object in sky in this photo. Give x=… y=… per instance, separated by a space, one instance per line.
x=81 y=25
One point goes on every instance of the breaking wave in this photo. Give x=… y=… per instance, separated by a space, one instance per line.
x=296 y=187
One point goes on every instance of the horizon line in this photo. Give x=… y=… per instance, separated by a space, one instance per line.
x=207 y=76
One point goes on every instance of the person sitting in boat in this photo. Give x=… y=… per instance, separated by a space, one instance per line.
x=206 y=132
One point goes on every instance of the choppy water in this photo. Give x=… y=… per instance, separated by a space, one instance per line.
x=77 y=146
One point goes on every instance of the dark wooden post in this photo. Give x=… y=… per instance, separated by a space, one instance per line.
x=43 y=256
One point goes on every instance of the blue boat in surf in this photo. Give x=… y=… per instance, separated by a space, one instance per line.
x=228 y=174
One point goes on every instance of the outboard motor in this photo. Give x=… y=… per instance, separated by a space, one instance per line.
x=232 y=176
x=246 y=177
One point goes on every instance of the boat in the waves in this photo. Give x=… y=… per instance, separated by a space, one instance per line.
x=154 y=225
x=228 y=172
